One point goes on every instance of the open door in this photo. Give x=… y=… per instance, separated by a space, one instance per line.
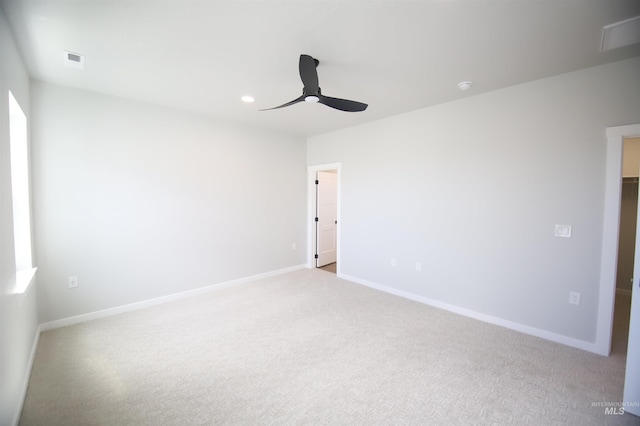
x=326 y=217
x=632 y=373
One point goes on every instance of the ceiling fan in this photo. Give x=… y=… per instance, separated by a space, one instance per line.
x=311 y=91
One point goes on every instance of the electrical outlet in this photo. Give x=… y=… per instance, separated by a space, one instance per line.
x=73 y=282
x=574 y=298
x=393 y=262
x=418 y=267
x=294 y=246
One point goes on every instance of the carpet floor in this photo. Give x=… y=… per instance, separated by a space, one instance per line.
x=309 y=348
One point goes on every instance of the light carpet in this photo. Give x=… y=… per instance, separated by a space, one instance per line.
x=310 y=348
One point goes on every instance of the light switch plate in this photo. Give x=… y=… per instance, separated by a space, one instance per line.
x=563 y=231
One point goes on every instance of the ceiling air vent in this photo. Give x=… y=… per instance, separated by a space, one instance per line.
x=73 y=60
x=620 y=34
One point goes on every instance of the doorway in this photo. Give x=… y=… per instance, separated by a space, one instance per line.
x=608 y=269
x=626 y=244
x=326 y=219
x=324 y=211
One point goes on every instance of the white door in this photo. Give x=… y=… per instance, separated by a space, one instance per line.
x=327 y=211
x=632 y=374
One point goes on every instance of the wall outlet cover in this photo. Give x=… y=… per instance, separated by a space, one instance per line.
x=73 y=282
x=574 y=298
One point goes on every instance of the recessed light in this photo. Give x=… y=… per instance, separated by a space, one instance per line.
x=465 y=85
x=247 y=99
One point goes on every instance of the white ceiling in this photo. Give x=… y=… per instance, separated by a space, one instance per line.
x=397 y=56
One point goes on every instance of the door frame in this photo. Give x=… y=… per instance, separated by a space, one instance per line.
x=610 y=233
x=311 y=211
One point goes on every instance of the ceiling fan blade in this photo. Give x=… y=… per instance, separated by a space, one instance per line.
x=295 y=101
x=309 y=74
x=311 y=90
x=342 y=104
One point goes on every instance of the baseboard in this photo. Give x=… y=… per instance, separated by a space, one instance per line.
x=27 y=377
x=160 y=300
x=547 y=335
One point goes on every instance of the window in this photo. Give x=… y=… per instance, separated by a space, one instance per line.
x=20 y=194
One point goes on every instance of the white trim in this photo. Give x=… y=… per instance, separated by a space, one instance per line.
x=610 y=229
x=558 y=338
x=24 y=279
x=27 y=378
x=311 y=205
x=160 y=300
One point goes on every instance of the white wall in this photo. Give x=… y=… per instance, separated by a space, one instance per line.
x=141 y=201
x=18 y=316
x=472 y=189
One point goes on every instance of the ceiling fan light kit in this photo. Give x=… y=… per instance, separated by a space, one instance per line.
x=311 y=90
